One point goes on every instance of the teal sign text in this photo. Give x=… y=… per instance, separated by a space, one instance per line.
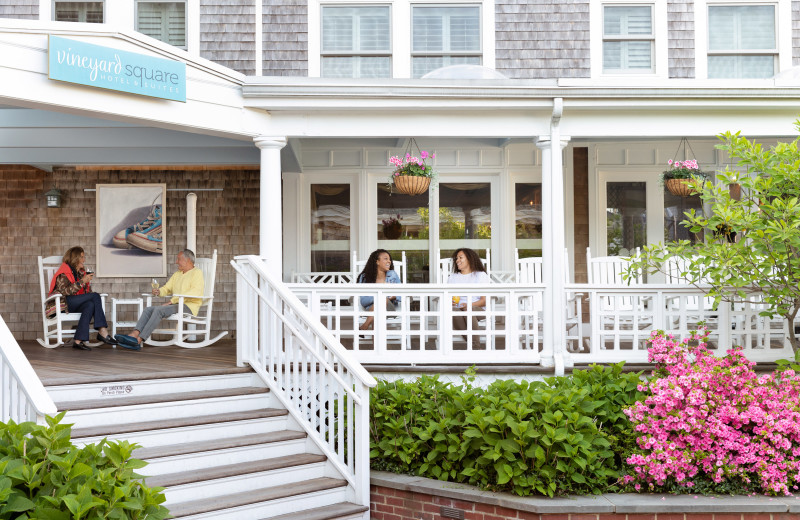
x=104 y=67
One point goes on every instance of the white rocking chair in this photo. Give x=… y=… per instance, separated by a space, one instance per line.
x=59 y=327
x=187 y=326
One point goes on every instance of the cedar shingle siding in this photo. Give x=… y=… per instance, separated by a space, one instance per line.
x=285 y=38
x=227 y=221
x=542 y=39
x=27 y=9
x=227 y=33
x=680 y=24
x=795 y=33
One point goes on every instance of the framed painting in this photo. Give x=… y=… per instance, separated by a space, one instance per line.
x=131 y=238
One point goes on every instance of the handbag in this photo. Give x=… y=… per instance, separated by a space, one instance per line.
x=50 y=310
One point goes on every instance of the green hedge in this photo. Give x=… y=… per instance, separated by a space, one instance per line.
x=562 y=435
x=44 y=476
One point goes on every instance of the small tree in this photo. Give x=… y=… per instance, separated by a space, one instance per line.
x=765 y=258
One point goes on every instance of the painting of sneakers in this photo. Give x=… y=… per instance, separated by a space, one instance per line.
x=120 y=240
x=130 y=230
x=148 y=239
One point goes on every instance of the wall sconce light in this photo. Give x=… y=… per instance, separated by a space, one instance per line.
x=54 y=197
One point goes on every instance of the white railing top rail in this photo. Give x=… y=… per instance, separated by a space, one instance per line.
x=328 y=340
x=23 y=372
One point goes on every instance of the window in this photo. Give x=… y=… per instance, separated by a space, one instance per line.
x=528 y=217
x=443 y=36
x=356 y=42
x=165 y=21
x=330 y=227
x=85 y=12
x=628 y=38
x=742 y=41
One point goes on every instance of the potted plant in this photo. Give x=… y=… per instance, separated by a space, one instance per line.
x=412 y=175
x=681 y=177
x=392 y=228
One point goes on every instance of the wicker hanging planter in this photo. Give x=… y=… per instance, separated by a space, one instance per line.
x=679 y=187
x=411 y=184
x=412 y=174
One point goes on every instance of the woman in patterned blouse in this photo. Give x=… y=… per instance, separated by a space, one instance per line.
x=74 y=283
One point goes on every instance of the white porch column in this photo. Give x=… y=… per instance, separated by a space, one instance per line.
x=270 y=223
x=553 y=314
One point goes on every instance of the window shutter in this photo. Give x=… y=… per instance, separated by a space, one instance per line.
x=627 y=20
x=86 y=12
x=165 y=21
x=747 y=27
x=151 y=20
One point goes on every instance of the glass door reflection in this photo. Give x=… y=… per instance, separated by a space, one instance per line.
x=403 y=225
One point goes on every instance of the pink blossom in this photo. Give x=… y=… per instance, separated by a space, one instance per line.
x=711 y=416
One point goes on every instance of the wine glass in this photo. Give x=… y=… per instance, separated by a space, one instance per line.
x=89 y=269
x=154 y=284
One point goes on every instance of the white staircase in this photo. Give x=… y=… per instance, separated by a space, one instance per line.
x=222 y=446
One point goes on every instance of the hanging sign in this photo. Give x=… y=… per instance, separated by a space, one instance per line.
x=105 y=67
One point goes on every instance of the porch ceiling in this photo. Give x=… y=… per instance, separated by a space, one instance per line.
x=45 y=139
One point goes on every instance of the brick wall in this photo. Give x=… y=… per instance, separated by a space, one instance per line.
x=394 y=504
x=226 y=220
x=580 y=180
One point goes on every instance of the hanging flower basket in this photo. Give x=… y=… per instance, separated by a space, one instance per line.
x=412 y=174
x=393 y=231
x=411 y=184
x=679 y=187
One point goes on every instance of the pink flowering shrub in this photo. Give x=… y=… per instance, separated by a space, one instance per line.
x=708 y=421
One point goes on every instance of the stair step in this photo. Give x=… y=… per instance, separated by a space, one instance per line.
x=252 y=497
x=113 y=429
x=163 y=398
x=330 y=512
x=217 y=444
x=229 y=470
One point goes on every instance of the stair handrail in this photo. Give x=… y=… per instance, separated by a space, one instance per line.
x=22 y=394
x=297 y=306
x=322 y=386
x=334 y=344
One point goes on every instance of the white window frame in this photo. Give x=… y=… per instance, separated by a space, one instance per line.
x=660 y=68
x=187 y=26
x=783 y=36
x=481 y=43
x=633 y=37
x=52 y=7
x=377 y=54
x=401 y=38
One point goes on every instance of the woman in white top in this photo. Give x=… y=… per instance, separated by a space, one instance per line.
x=468 y=268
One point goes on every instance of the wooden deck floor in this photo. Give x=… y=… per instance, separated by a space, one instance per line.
x=66 y=365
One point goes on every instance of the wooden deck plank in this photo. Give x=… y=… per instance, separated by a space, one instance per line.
x=66 y=365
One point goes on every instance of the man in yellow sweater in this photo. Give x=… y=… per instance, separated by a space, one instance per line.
x=187 y=281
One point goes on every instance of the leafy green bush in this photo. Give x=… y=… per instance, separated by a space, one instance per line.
x=562 y=435
x=44 y=476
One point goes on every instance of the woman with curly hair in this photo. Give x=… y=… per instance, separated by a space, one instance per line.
x=378 y=269
x=72 y=281
x=468 y=268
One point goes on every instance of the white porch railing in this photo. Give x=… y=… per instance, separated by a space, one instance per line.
x=22 y=395
x=424 y=328
x=615 y=328
x=305 y=367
